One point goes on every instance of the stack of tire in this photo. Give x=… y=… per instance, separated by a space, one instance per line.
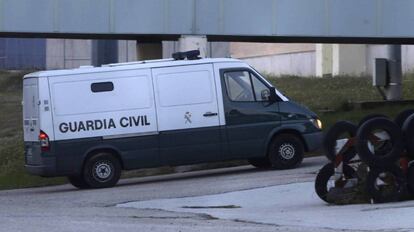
x=383 y=146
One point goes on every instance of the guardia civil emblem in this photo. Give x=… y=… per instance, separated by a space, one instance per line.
x=187 y=117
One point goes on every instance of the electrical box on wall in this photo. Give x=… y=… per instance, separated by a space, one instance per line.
x=380 y=77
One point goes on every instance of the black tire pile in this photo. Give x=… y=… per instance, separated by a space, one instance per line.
x=380 y=149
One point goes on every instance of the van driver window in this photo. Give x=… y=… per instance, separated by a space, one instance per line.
x=239 y=86
x=259 y=89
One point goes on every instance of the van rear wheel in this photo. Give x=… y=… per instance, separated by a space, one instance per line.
x=78 y=182
x=286 y=151
x=102 y=170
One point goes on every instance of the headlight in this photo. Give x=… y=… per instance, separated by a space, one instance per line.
x=317 y=123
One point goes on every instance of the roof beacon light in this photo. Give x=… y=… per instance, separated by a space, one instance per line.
x=190 y=55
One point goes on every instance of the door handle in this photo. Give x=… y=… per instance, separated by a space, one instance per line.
x=209 y=114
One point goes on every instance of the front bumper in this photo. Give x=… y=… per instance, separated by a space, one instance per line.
x=313 y=141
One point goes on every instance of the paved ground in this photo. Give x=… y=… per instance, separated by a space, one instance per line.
x=291 y=206
x=64 y=208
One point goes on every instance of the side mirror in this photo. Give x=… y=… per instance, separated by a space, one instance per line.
x=273 y=97
x=269 y=95
x=265 y=94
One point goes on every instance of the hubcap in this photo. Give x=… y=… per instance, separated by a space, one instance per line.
x=287 y=151
x=103 y=170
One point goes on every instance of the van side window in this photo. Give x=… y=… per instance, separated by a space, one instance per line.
x=102 y=87
x=239 y=86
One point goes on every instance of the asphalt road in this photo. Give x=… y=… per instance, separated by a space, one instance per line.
x=64 y=208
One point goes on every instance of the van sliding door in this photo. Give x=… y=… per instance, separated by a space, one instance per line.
x=187 y=113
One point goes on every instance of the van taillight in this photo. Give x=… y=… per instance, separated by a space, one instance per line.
x=44 y=141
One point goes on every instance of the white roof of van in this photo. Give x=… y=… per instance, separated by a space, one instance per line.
x=130 y=65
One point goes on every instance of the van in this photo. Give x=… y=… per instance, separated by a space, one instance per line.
x=90 y=123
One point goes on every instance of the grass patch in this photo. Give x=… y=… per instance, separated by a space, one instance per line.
x=330 y=97
x=326 y=96
x=12 y=173
x=321 y=94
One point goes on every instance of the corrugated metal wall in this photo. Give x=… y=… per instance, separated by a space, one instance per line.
x=22 y=53
x=41 y=54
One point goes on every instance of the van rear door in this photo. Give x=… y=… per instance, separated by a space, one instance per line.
x=31 y=109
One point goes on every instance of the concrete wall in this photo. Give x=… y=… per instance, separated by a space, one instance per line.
x=277 y=58
x=65 y=53
x=349 y=59
x=356 y=59
x=300 y=64
x=68 y=53
x=249 y=50
x=316 y=59
x=127 y=51
x=214 y=49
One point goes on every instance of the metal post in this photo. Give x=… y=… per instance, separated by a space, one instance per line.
x=393 y=91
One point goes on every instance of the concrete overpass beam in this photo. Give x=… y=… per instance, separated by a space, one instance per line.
x=190 y=42
x=149 y=51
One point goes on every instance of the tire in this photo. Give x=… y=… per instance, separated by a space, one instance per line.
x=388 y=152
x=325 y=174
x=396 y=188
x=408 y=135
x=285 y=152
x=369 y=117
x=262 y=163
x=78 y=182
x=102 y=170
x=410 y=179
x=334 y=133
x=402 y=116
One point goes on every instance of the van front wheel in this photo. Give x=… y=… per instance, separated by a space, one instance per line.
x=285 y=152
x=102 y=170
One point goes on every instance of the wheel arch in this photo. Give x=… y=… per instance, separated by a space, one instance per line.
x=101 y=149
x=280 y=131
